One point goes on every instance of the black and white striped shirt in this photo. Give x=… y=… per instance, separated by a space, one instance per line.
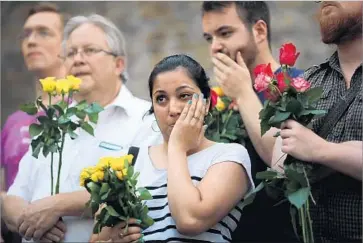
x=155 y=180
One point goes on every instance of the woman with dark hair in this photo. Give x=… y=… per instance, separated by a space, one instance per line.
x=197 y=185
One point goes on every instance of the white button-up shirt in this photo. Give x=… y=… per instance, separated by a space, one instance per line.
x=121 y=124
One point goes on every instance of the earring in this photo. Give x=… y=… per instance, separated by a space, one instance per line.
x=153 y=125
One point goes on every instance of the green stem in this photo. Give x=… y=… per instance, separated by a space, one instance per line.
x=302 y=214
x=51 y=174
x=226 y=121
x=311 y=232
x=60 y=163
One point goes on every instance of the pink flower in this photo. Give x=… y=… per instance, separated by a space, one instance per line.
x=213 y=97
x=288 y=54
x=282 y=86
x=261 y=82
x=300 y=84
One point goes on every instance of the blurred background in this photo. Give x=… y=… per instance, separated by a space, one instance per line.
x=152 y=30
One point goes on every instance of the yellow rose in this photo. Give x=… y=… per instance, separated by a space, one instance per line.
x=124 y=171
x=218 y=90
x=129 y=158
x=100 y=175
x=220 y=106
x=104 y=163
x=75 y=82
x=48 y=84
x=119 y=175
x=94 y=177
x=62 y=86
x=118 y=163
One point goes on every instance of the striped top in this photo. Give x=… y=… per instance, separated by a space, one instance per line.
x=155 y=180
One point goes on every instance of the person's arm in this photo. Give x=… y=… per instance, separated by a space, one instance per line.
x=302 y=143
x=73 y=203
x=196 y=209
x=12 y=208
x=344 y=157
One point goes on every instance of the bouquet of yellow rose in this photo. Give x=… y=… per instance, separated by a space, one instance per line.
x=224 y=123
x=57 y=120
x=112 y=185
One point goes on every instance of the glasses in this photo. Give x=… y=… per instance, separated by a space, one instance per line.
x=85 y=52
x=41 y=33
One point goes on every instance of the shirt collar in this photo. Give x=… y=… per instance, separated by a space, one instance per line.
x=123 y=100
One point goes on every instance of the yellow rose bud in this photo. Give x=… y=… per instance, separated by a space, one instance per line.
x=119 y=175
x=124 y=171
x=74 y=82
x=81 y=183
x=218 y=90
x=48 y=84
x=104 y=163
x=220 y=106
x=100 y=175
x=62 y=86
x=94 y=177
x=117 y=164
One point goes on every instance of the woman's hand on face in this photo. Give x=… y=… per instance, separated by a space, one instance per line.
x=188 y=131
x=133 y=233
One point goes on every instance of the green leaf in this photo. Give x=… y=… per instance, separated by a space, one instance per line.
x=97 y=228
x=264 y=127
x=93 y=187
x=299 y=198
x=294 y=106
x=71 y=111
x=112 y=211
x=62 y=105
x=29 y=108
x=130 y=171
x=35 y=130
x=82 y=105
x=279 y=117
x=43 y=119
x=94 y=108
x=81 y=114
x=46 y=151
x=148 y=221
x=229 y=136
x=104 y=188
x=144 y=194
x=88 y=128
x=296 y=176
x=293 y=213
x=72 y=134
x=249 y=198
x=93 y=117
x=51 y=111
x=314 y=94
x=267 y=175
x=63 y=119
x=59 y=109
x=36 y=148
x=312 y=112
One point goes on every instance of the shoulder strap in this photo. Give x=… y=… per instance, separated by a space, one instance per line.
x=330 y=121
x=337 y=112
x=135 y=152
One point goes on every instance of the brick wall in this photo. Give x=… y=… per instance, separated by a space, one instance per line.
x=152 y=30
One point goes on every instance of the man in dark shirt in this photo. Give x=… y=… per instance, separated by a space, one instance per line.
x=240 y=32
x=337 y=215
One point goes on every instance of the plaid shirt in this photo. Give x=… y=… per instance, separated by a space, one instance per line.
x=337 y=215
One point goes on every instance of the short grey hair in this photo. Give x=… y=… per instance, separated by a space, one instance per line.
x=114 y=36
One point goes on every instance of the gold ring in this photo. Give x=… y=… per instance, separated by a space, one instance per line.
x=121 y=235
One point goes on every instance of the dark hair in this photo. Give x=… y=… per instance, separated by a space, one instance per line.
x=248 y=12
x=47 y=7
x=193 y=69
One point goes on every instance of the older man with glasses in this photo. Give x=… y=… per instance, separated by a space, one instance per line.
x=94 y=51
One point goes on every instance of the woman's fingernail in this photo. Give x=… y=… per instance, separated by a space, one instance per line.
x=204 y=101
x=138 y=221
x=189 y=102
x=195 y=96
x=201 y=95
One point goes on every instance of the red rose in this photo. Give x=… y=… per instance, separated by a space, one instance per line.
x=263 y=68
x=281 y=82
x=213 y=98
x=261 y=82
x=288 y=54
x=300 y=84
x=271 y=95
